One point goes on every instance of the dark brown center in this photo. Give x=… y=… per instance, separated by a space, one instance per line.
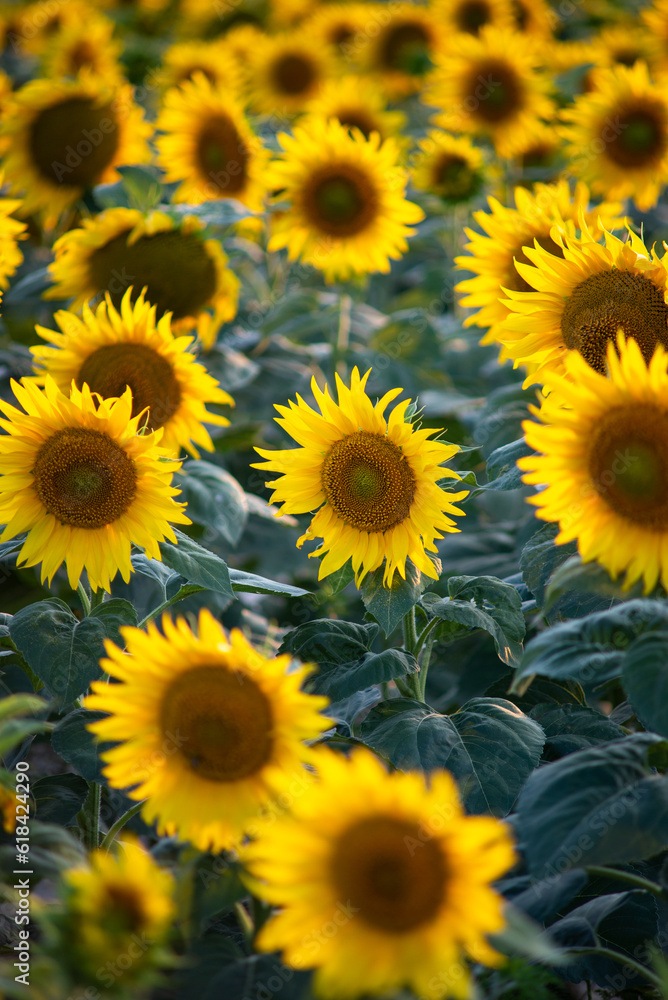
x=357 y=118
x=640 y=137
x=84 y=478
x=368 y=482
x=224 y=722
x=471 y=15
x=340 y=200
x=293 y=75
x=175 y=267
x=222 y=155
x=603 y=303
x=123 y=911
x=73 y=143
x=453 y=178
x=406 y=47
x=111 y=369
x=394 y=878
x=493 y=91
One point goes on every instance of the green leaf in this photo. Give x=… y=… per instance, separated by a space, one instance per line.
x=197 y=564
x=52 y=850
x=63 y=651
x=573 y=727
x=30 y=287
x=521 y=936
x=341 y=651
x=261 y=976
x=502 y=468
x=220 y=213
x=59 y=797
x=142 y=185
x=645 y=680
x=592 y=650
x=487 y=603
x=15 y=731
x=585 y=578
x=389 y=605
x=250 y=583
x=595 y=807
x=489 y=745
x=80 y=748
x=336 y=581
x=540 y=557
x=214 y=497
x=20 y=704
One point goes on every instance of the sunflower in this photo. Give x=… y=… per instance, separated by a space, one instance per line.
x=357 y=102
x=84 y=484
x=534 y=17
x=347 y=213
x=8 y=804
x=375 y=479
x=183 y=273
x=11 y=231
x=395 y=865
x=603 y=466
x=86 y=44
x=618 y=135
x=209 y=146
x=402 y=47
x=541 y=153
x=469 y=16
x=449 y=166
x=209 y=728
x=115 y=904
x=507 y=231
x=35 y=24
x=339 y=27
x=489 y=86
x=624 y=44
x=287 y=71
x=655 y=17
x=581 y=298
x=67 y=135
x=110 y=350
x=181 y=61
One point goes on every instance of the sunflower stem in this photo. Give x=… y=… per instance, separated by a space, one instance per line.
x=628 y=877
x=410 y=632
x=84 y=598
x=340 y=346
x=89 y=816
x=158 y=611
x=96 y=598
x=622 y=958
x=245 y=923
x=110 y=835
x=424 y=665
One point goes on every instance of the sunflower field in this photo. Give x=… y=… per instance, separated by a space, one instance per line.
x=333 y=500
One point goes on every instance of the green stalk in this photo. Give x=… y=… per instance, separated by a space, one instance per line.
x=110 y=836
x=618 y=956
x=84 y=598
x=410 y=632
x=96 y=598
x=628 y=877
x=89 y=816
x=160 y=608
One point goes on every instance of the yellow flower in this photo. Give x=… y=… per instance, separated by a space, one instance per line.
x=507 y=231
x=534 y=17
x=209 y=729
x=287 y=71
x=402 y=48
x=347 y=213
x=8 y=804
x=469 y=16
x=624 y=44
x=209 y=146
x=220 y=66
x=489 y=86
x=117 y=905
x=356 y=102
x=11 y=231
x=617 y=139
x=78 y=477
x=340 y=27
x=183 y=273
x=581 y=298
x=655 y=17
x=375 y=479
x=604 y=461
x=110 y=350
x=449 y=166
x=396 y=866
x=67 y=135
x=33 y=26
x=83 y=44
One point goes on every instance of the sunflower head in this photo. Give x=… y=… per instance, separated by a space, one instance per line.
x=357 y=102
x=214 y=59
x=469 y=16
x=396 y=866
x=402 y=47
x=617 y=135
x=84 y=484
x=449 y=166
x=286 y=72
x=83 y=45
x=68 y=135
x=374 y=478
x=603 y=460
x=233 y=720
x=183 y=273
x=111 y=350
x=347 y=213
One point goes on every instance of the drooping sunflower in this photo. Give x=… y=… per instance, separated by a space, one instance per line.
x=348 y=214
x=67 y=135
x=374 y=478
x=87 y=44
x=11 y=232
x=357 y=102
x=84 y=484
x=489 y=85
x=469 y=16
x=449 y=166
x=617 y=136
x=108 y=907
x=182 y=60
x=580 y=299
x=209 y=146
x=507 y=231
x=111 y=349
x=209 y=729
x=286 y=71
x=396 y=866
x=183 y=273
x=604 y=461
x=403 y=48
